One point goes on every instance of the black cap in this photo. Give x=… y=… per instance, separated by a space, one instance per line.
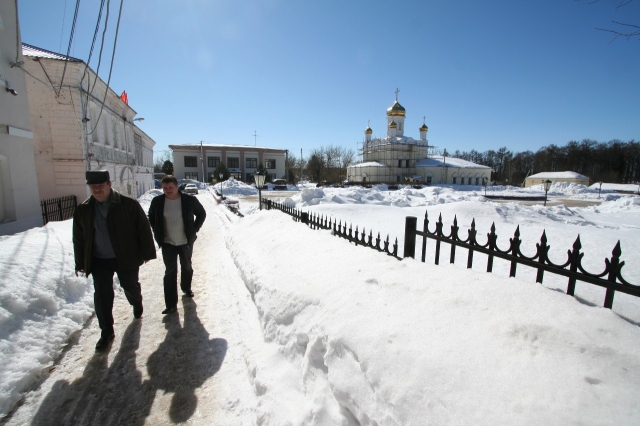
x=96 y=176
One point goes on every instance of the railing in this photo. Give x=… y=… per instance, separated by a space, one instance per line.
x=57 y=209
x=339 y=229
x=572 y=268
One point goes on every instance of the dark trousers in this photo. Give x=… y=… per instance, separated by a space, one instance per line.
x=103 y=270
x=170 y=255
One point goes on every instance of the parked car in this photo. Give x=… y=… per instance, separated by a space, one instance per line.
x=191 y=188
x=181 y=186
x=279 y=184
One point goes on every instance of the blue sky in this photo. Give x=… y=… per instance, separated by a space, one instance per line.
x=305 y=74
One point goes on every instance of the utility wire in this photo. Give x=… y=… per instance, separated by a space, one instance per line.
x=104 y=31
x=73 y=29
x=113 y=54
x=84 y=74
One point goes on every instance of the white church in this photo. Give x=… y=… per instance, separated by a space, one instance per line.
x=399 y=158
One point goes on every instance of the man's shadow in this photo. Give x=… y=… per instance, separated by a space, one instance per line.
x=116 y=394
x=184 y=361
x=103 y=395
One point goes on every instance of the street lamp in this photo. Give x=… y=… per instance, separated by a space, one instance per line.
x=484 y=183
x=600 y=188
x=259 y=177
x=547 y=185
x=221 y=176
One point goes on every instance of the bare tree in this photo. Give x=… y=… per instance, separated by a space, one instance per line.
x=623 y=29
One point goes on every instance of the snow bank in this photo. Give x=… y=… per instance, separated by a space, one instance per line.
x=41 y=303
x=372 y=340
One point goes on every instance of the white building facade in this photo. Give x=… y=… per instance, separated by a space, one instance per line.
x=19 y=200
x=397 y=158
x=81 y=124
x=199 y=161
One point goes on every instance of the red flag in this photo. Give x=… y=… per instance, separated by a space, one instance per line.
x=124 y=97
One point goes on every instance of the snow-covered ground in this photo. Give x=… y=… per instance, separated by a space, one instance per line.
x=351 y=336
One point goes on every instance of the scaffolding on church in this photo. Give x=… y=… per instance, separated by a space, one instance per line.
x=389 y=160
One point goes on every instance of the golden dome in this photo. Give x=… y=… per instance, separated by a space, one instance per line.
x=424 y=128
x=393 y=125
x=368 y=130
x=396 y=110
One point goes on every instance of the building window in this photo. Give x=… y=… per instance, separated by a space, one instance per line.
x=252 y=163
x=213 y=162
x=233 y=162
x=236 y=175
x=407 y=164
x=454 y=180
x=270 y=164
x=470 y=181
x=211 y=176
x=399 y=164
x=428 y=180
x=191 y=161
x=191 y=175
x=477 y=181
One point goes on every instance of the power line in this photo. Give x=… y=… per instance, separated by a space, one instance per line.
x=73 y=29
x=113 y=54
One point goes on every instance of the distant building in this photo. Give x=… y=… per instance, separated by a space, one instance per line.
x=570 y=177
x=400 y=158
x=81 y=124
x=195 y=161
x=19 y=201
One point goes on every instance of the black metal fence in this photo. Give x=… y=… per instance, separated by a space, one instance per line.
x=339 y=229
x=611 y=278
x=57 y=209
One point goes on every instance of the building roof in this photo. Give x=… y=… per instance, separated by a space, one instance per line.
x=191 y=146
x=558 y=175
x=369 y=164
x=29 y=50
x=439 y=161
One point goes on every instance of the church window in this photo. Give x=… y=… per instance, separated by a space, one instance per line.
x=428 y=180
x=477 y=181
x=470 y=181
x=399 y=164
x=407 y=164
x=454 y=179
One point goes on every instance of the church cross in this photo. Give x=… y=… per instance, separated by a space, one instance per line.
x=397 y=90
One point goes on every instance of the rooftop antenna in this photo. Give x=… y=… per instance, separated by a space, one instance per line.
x=255 y=135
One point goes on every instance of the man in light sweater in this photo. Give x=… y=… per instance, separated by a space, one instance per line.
x=175 y=218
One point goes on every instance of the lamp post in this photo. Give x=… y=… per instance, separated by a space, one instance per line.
x=599 y=188
x=484 y=183
x=221 y=176
x=547 y=185
x=259 y=177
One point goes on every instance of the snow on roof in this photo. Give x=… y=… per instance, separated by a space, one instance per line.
x=439 y=161
x=558 y=175
x=369 y=164
x=29 y=50
x=220 y=145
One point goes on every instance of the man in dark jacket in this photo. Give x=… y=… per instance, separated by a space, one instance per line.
x=172 y=219
x=111 y=235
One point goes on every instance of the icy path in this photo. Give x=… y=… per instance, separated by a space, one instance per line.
x=194 y=366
